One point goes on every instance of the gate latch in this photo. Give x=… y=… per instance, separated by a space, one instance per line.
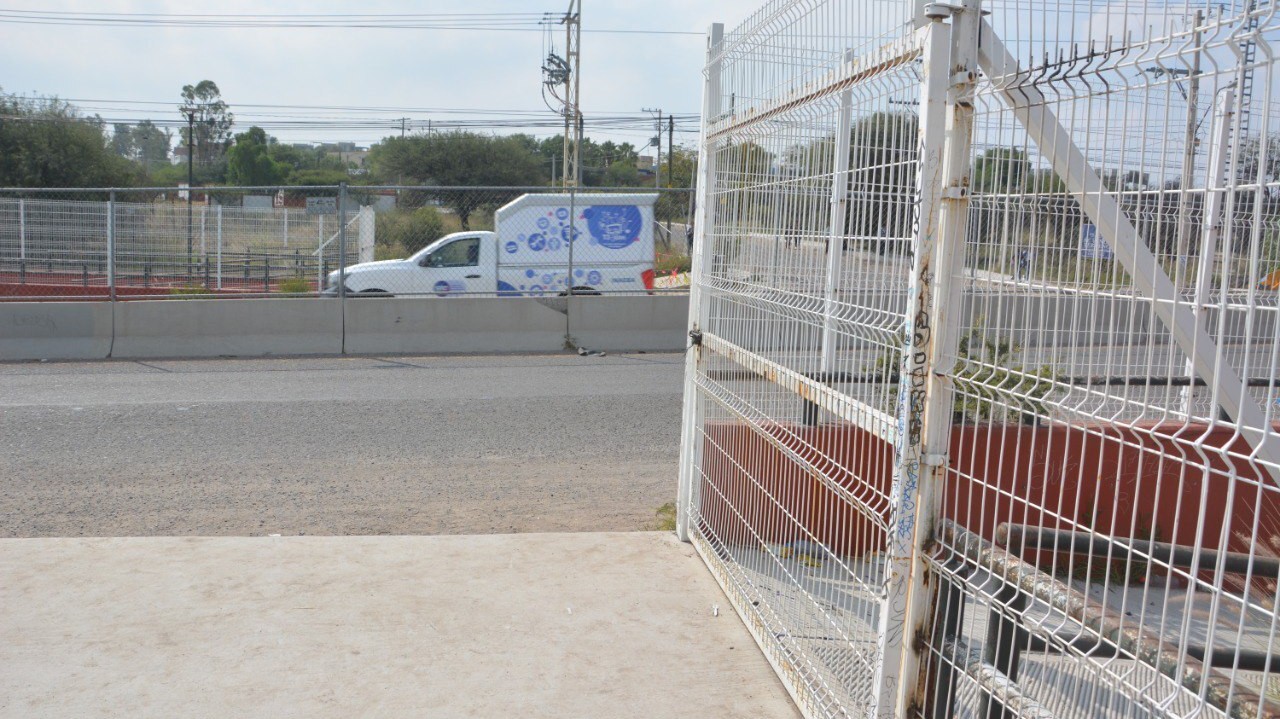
x=695 y=338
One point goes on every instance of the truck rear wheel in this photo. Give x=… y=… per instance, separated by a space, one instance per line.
x=581 y=290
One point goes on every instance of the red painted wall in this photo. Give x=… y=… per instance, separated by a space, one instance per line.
x=1119 y=481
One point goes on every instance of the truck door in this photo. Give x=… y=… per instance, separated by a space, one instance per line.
x=456 y=268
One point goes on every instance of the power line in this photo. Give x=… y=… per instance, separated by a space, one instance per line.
x=499 y=22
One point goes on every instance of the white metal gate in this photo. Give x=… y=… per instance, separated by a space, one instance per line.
x=980 y=414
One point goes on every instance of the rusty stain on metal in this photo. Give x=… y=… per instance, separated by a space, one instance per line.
x=886 y=58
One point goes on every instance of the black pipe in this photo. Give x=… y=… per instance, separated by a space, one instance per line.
x=1021 y=536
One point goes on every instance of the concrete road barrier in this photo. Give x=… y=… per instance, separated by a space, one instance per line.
x=55 y=330
x=453 y=324
x=216 y=328
x=651 y=323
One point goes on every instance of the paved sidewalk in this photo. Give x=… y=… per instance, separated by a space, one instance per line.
x=530 y=625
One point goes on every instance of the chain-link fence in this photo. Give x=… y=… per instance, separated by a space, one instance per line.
x=357 y=240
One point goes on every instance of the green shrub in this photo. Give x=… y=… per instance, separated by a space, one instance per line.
x=410 y=231
x=185 y=290
x=667 y=263
x=295 y=285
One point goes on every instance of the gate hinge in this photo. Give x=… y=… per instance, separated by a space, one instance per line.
x=955 y=192
x=934 y=460
x=695 y=337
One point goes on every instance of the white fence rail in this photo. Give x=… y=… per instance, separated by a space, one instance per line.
x=981 y=418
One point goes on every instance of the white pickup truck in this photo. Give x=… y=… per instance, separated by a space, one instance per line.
x=528 y=253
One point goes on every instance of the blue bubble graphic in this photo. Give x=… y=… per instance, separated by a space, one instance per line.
x=511 y=248
x=530 y=273
x=577 y=273
x=562 y=213
x=594 y=278
x=537 y=242
x=543 y=223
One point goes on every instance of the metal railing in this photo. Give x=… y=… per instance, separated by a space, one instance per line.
x=249 y=241
x=981 y=413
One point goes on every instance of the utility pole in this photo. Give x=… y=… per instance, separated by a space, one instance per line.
x=1190 y=146
x=671 y=162
x=657 y=153
x=571 y=172
x=403 y=120
x=671 y=150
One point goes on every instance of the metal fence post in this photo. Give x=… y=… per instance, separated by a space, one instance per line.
x=568 y=278
x=692 y=414
x=22 y=229
x=835 y=238
x=111 y=246
x=931 y=332
x=342 y=259
x=219 y=219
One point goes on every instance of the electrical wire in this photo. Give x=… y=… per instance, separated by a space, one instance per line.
x=500 y=22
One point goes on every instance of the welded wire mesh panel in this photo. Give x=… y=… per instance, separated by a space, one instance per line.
x=1108 y=534
x=810 y=163
x=1091 y=430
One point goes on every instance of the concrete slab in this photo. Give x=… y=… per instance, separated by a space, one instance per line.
x=534 y=625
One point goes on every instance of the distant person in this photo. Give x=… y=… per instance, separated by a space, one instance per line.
x=688 y=238
x=1024 y=264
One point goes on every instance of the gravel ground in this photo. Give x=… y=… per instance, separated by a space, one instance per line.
x=333 y=446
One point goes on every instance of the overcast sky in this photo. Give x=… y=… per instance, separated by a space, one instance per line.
x=419 y=73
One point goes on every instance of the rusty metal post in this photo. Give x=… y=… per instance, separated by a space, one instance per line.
x=931 y=332
x=903 y=589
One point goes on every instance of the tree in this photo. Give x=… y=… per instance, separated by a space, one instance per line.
x=460 y=159
x=45 y=142
x=248 y=162
x=883 y=149
x=308 y=165
x=144 y=143
x=1001 y=169
x=212 y=120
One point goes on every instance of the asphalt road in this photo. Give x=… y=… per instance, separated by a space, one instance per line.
x=334 y=446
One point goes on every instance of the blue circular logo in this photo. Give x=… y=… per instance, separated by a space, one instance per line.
x=442 y=288
x=546 y=279
x=543 y=223
x=594 y=278
x=511 y=248
x=577 y=273
x=553 y=244
x=562 y=213
x=530 y=273
x=614 y=226
x=537 y=242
